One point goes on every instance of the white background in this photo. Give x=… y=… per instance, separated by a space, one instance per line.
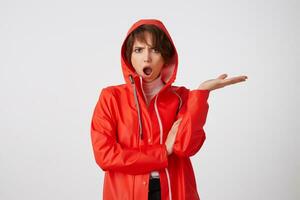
x=56 y=56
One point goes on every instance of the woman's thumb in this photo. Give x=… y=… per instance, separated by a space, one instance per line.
x=223 y=76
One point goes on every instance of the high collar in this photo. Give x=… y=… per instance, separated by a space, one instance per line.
x=150 y=87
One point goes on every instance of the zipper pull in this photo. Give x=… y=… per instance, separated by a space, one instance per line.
x=131 y=79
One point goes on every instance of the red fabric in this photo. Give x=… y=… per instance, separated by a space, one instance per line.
x=126 y=158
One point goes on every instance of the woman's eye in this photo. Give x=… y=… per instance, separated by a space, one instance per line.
x=138 y=50
x=156 y=50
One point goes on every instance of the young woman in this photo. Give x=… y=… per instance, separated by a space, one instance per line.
x=145 y=131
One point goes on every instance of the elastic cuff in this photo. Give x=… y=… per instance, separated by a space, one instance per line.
x=202 y=94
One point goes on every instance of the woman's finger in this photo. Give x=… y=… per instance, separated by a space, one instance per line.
x=234 y=80
x=175 y=126
x=177 y=121
x=223 y=76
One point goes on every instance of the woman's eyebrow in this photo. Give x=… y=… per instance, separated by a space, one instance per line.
x=139 y=47
x=143 y=47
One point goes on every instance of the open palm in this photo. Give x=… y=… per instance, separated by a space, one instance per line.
x=220 y=82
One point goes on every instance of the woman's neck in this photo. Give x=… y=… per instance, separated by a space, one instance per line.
x=152 y=88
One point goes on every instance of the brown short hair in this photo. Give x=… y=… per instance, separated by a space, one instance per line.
x=160 y=41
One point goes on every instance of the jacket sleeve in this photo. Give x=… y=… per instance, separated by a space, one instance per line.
x=111 y=155
x=190 y=135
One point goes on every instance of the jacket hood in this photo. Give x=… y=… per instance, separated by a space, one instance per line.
x=168 y=73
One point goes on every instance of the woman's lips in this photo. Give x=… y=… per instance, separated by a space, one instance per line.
x=147 y=70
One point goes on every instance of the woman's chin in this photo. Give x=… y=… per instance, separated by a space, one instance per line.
x=147 y=77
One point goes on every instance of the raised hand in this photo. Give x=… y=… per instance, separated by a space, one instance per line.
x=220 y=82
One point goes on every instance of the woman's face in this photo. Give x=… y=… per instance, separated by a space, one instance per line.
x=146 y=60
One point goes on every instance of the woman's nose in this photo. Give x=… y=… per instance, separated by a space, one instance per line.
x=147 y=56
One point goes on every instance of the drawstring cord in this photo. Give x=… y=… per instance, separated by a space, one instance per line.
x=137 y=106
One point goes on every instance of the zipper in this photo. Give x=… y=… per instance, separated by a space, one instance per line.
x=141 y=83
x=137 y=106
x=159 y=122
x=160 y=141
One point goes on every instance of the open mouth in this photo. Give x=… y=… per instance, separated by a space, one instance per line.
x=147 y=71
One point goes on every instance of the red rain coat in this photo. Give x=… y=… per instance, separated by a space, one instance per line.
x=128 y=136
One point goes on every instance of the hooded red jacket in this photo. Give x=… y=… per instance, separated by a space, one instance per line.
x=128 y=136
